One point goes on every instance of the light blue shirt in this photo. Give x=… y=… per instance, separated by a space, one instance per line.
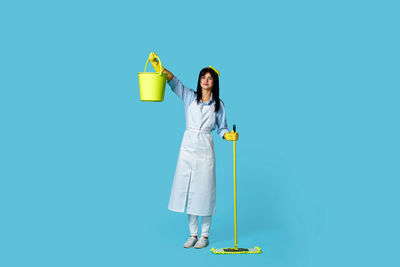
x=188 y=96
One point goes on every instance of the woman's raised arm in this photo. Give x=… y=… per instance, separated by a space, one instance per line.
x=170 y=75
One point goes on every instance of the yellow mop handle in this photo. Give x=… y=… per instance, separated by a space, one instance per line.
x=234 y=184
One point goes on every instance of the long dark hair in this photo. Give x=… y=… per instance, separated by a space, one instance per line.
x=214 y=90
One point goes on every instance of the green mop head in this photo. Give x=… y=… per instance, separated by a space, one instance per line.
x=236 y=250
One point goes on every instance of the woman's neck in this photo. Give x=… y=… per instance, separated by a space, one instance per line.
x=205 y=95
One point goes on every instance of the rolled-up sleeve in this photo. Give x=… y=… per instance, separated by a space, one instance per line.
x=221 y=121
x=187 y=95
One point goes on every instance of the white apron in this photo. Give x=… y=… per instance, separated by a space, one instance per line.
x=194 y=181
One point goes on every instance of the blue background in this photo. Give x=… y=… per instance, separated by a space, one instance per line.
x=86 y=167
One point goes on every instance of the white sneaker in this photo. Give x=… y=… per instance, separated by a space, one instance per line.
x=190 y=242
x=202 y=243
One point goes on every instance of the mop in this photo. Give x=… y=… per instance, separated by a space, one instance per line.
x=235 y=250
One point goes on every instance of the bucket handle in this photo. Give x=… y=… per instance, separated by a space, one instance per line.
x=145 y=67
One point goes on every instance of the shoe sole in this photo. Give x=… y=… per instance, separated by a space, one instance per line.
x=189 y=246
x=201 y=247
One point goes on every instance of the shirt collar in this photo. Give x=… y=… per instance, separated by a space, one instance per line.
x=209 y=102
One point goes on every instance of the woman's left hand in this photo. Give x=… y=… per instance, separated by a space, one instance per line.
x=231 y=136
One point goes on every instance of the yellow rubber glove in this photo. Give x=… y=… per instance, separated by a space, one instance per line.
x=154 y=62
x=231 y=136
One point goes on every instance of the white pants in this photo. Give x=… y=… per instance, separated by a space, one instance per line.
x=205 y=225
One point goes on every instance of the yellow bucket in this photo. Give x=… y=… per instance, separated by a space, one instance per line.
x=152 y=84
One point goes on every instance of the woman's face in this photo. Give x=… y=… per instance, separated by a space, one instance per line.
x=207 y=81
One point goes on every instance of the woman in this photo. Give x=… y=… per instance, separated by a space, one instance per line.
x=194 y=182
